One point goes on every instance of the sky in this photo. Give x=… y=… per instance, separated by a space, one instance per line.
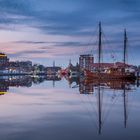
x=44 y=31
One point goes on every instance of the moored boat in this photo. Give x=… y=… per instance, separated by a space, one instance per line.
x=123 y=71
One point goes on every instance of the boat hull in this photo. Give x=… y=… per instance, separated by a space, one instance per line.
x=96 y=75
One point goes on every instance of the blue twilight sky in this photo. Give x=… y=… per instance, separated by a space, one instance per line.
x=47 y=30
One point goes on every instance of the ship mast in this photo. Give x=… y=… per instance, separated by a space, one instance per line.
x=100 y=46
x=125 y=47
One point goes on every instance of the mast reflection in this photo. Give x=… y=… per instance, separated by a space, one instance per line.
x=92 y=87
x=99 y=86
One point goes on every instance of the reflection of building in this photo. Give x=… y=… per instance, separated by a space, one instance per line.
x=83 y=87
x=86 y=61
x=18 y=81
x=88 y=86
x=86 y=89
x=72 y=80
x=3 y=88
x=23 y=81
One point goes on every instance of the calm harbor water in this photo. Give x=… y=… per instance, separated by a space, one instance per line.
x=60 y=109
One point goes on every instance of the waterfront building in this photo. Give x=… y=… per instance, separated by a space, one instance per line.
x=86 y=61
x=20 y=66
x=52 y=70
x=4 y=60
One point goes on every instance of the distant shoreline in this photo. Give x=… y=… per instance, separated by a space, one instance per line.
x=21 y=74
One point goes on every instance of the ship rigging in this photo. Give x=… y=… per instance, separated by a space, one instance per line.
x=117 y=71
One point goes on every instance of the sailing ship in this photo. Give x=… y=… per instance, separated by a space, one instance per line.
x=121 y=71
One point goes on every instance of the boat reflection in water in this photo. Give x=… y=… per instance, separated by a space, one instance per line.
x=96 y=91
x=99 y=88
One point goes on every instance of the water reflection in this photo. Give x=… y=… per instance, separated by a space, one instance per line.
x=99 y=86
x=94 y=93
x=85 y=87
x=23 y=81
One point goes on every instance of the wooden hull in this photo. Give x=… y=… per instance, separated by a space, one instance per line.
x=92 y=75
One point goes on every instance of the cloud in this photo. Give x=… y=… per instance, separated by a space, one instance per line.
x=76 y=19
x=57 y=44
x=30 y=42
x=69 y=17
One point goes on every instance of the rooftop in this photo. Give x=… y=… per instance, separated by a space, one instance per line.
x=2 y=54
